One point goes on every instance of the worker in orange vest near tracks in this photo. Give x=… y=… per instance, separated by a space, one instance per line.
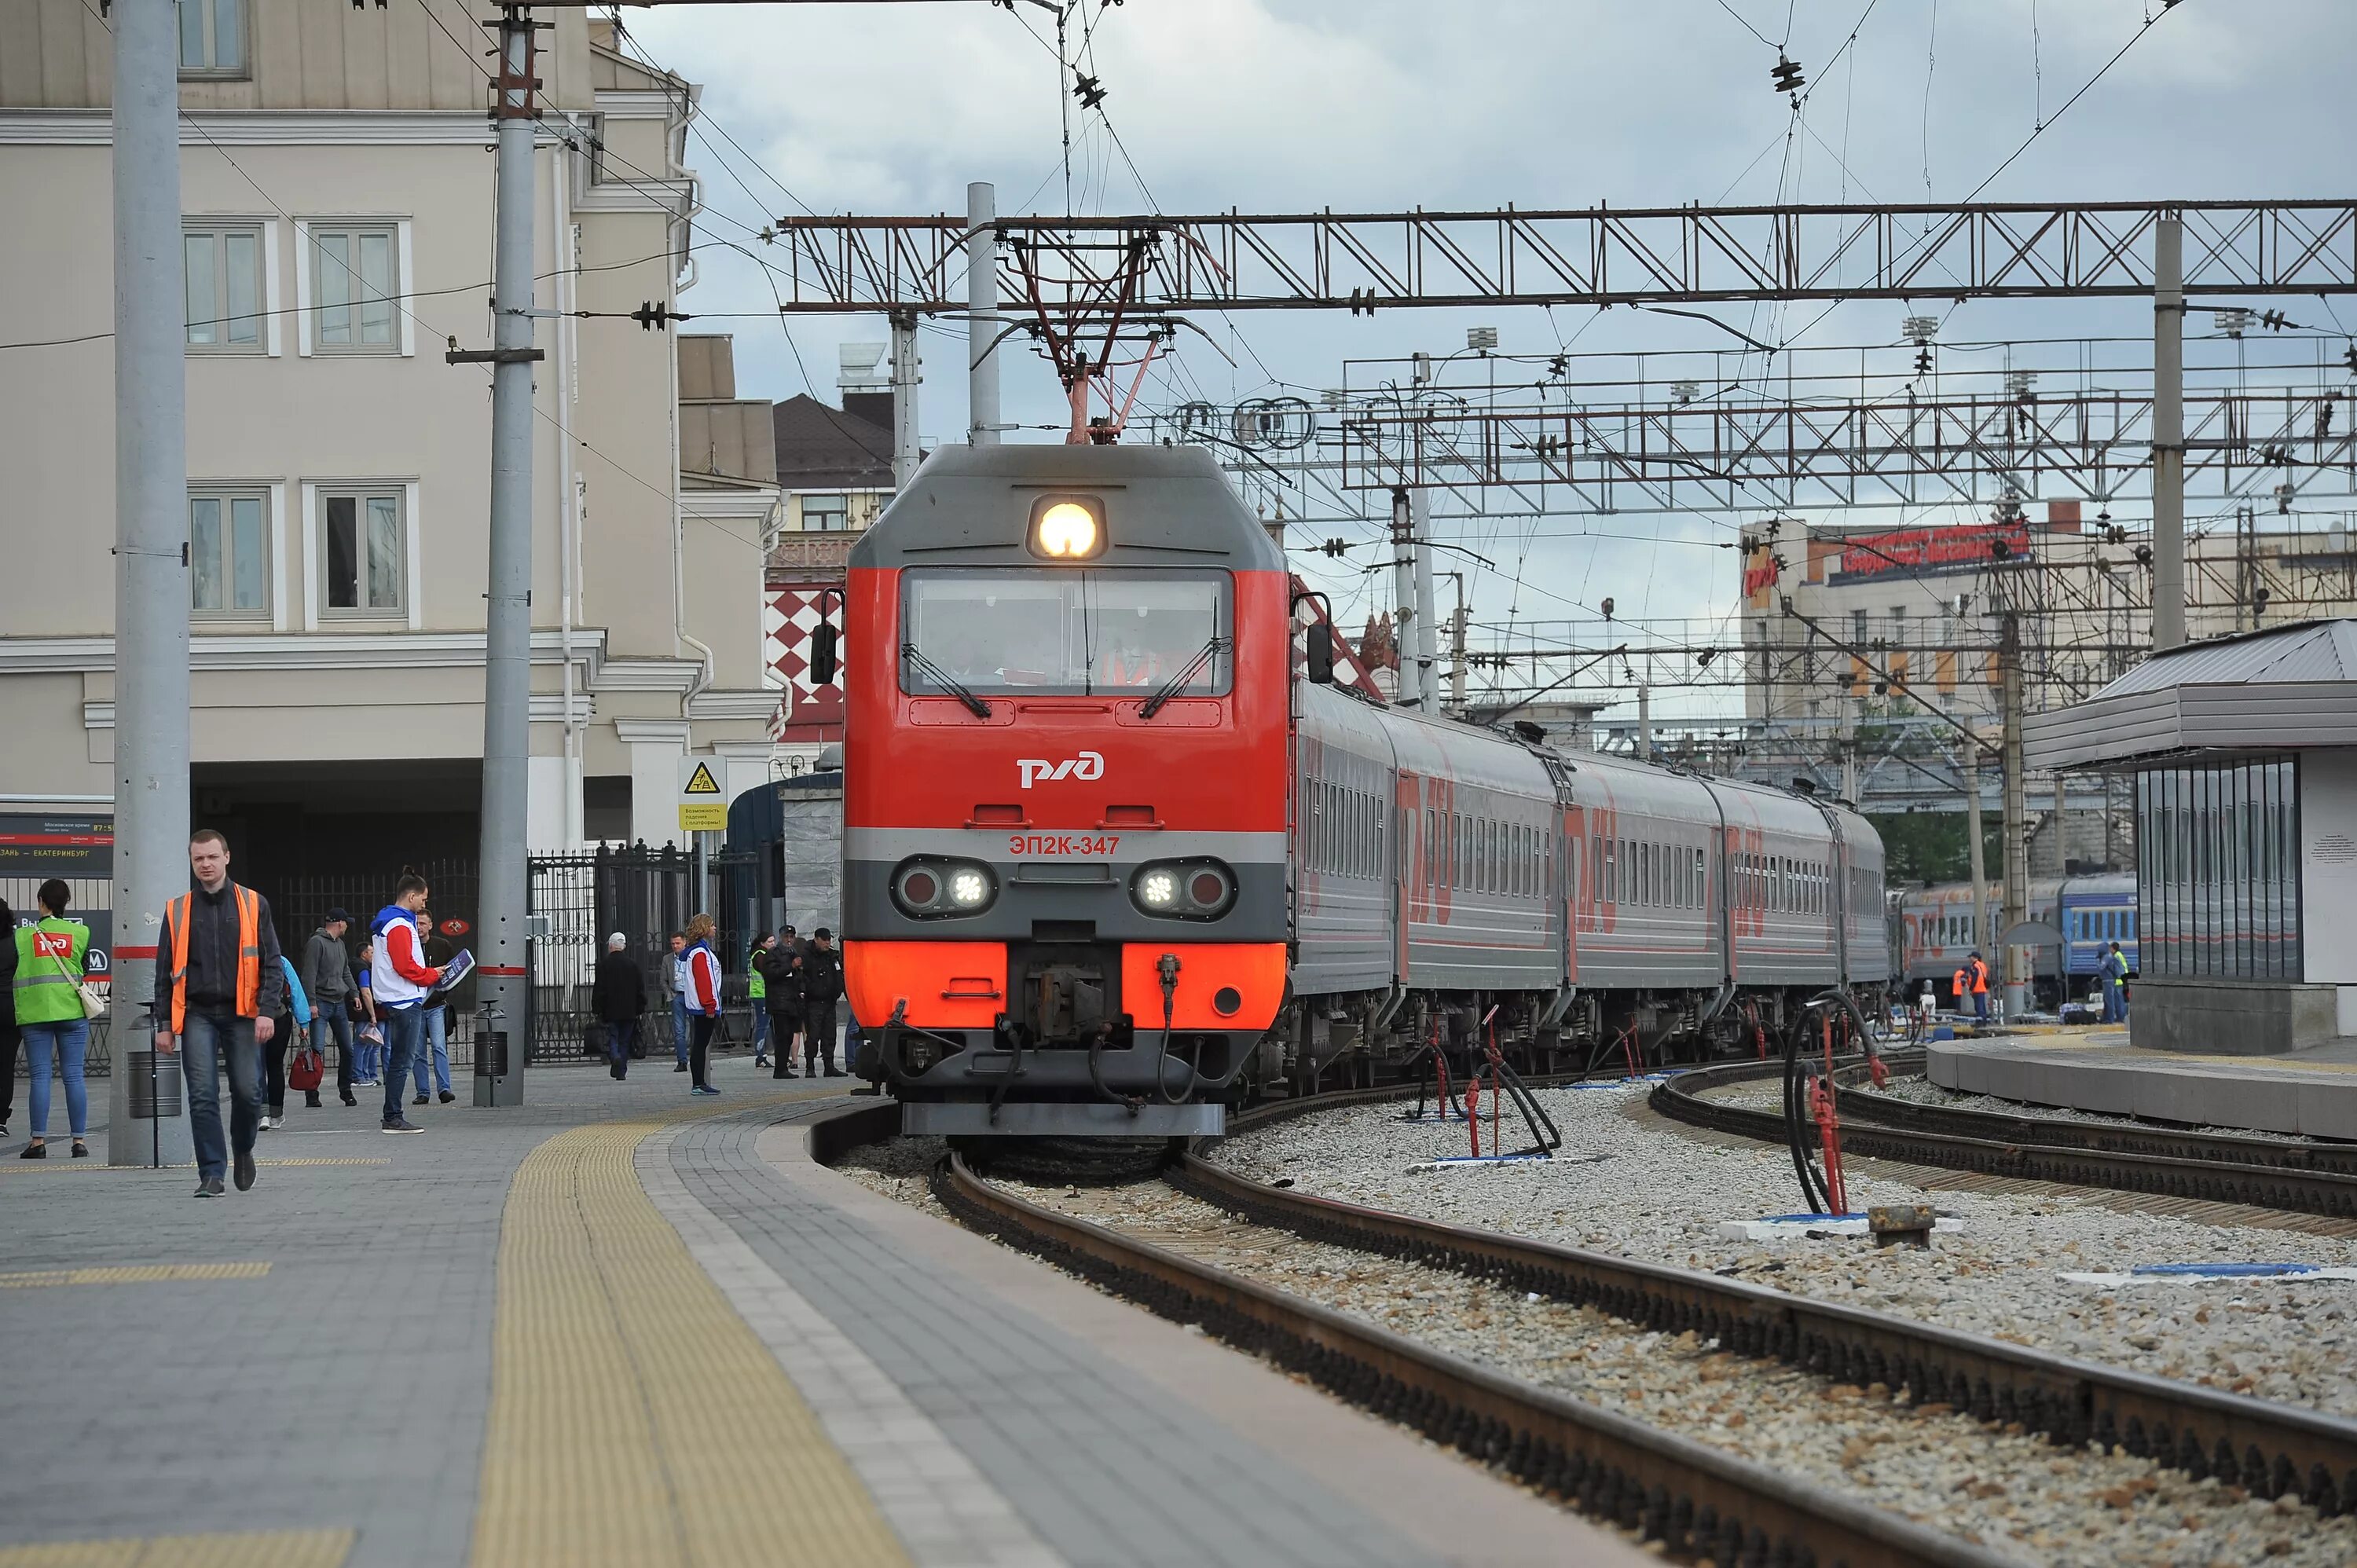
x=1962 y=982
x=1980 y=989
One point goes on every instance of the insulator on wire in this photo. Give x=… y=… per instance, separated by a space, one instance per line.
x=1786 y=75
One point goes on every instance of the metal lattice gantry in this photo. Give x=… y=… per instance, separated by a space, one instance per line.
x=1592 y=256
x=1907 y=449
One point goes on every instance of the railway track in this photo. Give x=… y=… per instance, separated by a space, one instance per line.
x=2305 y=1179
x=1698 y=1500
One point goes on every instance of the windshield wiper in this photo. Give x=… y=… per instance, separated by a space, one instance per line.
x=1179 y=682
x=941 y=677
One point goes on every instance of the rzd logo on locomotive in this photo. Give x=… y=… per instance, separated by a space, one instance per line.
x=1087 y=764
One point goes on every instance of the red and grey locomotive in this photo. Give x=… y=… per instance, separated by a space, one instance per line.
x=1115 y=859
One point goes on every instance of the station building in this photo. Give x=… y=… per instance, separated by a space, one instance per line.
x=338 y=182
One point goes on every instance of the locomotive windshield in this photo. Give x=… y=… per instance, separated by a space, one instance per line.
x=1073 y=633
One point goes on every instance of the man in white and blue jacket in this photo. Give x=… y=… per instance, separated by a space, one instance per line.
x=400 y=979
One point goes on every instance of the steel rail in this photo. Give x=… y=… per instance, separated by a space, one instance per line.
x=2271 y=1449
x=2203 y=1168
x=1698 y=1501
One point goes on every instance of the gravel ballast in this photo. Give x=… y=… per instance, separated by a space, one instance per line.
x=1658 y=1195
x=2008 y=1489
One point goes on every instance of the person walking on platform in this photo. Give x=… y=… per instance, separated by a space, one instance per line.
x=757 y=986
x=2116 y=986
x=9 y=1037
x=821 y=973
x=674 y=985
x=326 y=977
x=1980 y=989
x=217 y=997
x=295 y=1013
x=401 y=978
x=782 y=986
x=617 y=999
x=702 y=998
x=47 y=986
x=368 y=1025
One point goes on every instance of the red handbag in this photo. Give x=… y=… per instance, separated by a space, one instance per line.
x=305 y=1068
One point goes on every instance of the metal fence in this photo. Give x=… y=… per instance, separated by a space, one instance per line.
x=645 y=894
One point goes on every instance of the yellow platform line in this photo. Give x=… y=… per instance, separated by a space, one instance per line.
x=133 y=1274
x=261 y=1548
x=635 y=1420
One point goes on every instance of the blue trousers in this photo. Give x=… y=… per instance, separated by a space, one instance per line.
x=618 y=1045
x=67 y=1040
x=208 y=1042
x=404 y=1031
x=679 y=1026
x=433 y=1050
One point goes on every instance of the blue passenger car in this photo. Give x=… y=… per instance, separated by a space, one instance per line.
x=2097 y=911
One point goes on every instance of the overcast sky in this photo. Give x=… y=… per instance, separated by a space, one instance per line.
x=1284 y=105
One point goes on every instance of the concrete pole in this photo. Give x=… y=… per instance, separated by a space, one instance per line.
x=1645 y=723
x=2168 y=433
x=151 y=538
x=1970 y=765
x=2016 y=823
x=1427 y=622
x=904 y=398
x=500 y=947
x=1456 y=650
x=982 y=314
x=2062 y=827
x=1403 y=596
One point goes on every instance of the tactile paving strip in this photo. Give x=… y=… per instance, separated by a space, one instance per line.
x=133 y=1274
x=636 y=1421
x=263 y=1548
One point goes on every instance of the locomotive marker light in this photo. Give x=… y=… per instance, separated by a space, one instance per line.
x=1067 y=528
x=928 y=887
x=1184 y=889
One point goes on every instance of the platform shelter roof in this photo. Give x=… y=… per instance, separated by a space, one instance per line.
x=2287 y=688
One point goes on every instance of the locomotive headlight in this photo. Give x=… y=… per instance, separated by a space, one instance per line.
x=930 y=887
x=1196 y=890
x=1067 y=528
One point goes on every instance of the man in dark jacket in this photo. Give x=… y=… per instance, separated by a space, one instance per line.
x=821 y=978
x=617 y=999
x=784 y=996
x=219 y=989
x=326 y=976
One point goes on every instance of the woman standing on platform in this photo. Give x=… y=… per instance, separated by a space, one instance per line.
x=283 y=1038
x=702 y=967
x=48 y=988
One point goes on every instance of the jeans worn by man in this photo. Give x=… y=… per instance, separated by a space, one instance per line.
x=331 y=1021
x=405 y=1032
x=208 y=1042
x=434 y=1053
x=679 y=1030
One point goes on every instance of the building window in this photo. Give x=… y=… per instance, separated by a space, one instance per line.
x=826 y=514
x=212 y=39
x=229 y=555
x=355 y=276
x=362 y=553
x=222 y=273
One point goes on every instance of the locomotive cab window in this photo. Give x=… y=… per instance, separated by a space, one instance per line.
x=1092 y=631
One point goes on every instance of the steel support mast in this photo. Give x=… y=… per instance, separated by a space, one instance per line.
x=2015 y=845
x=151 y=538
x=1427 y=621
x=500 y=934
x=906 y=454
x=2168 y=432
x=1404 y=631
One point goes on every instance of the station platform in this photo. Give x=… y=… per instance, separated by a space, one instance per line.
x=2094 y=1068
x=618 y=1327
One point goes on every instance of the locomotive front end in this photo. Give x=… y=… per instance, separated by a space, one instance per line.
x=1064 y=882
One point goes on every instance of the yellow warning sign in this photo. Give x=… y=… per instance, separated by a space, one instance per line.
x=702 y=804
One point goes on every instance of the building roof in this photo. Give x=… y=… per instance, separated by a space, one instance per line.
x=2286 y=688
x=822 y=448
